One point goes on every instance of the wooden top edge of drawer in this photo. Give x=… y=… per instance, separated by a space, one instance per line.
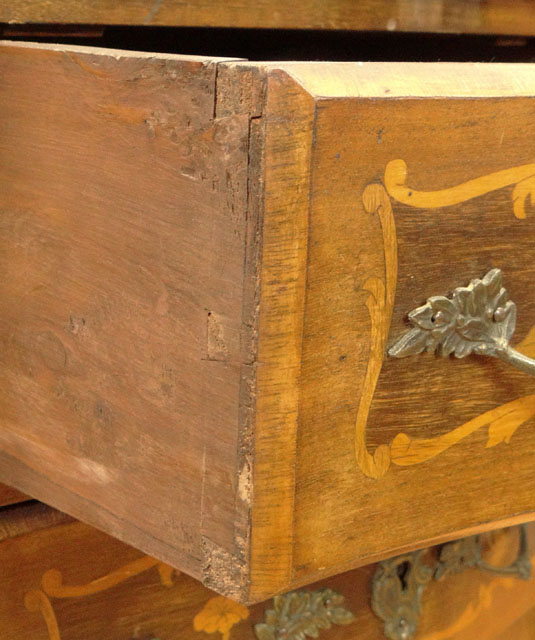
x=412 y=79
x=112 y=53
x=358 y=79
x=457 y=16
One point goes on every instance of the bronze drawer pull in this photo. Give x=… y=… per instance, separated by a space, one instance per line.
x=475 y=319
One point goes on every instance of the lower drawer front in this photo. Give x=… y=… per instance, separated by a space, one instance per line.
x=71 y=582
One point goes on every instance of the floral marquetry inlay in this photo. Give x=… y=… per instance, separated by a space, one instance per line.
x=219 y=615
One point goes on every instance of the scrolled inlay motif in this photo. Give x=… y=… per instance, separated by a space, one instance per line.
x=522 y=177
x=52 y=587
x=380 y=304
x=502 y=421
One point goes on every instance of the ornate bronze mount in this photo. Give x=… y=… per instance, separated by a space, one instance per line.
x=303 y=614
x=399 y=583
x=476 y=319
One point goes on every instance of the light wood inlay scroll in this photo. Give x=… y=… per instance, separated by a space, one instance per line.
x=36 y=600
x=522 y=177
x=502 y=422
x=380 y=304
x=52 y=582
x=53 y=587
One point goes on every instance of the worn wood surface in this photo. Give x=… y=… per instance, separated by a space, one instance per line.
x=70 y=581
x=375 y=80
x=123 y=230
x=20 y=519
x=8 y=495
x=454 y=16
x=280 y=329
x=522 y=628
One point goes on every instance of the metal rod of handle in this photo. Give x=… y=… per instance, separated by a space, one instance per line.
x=518 y=360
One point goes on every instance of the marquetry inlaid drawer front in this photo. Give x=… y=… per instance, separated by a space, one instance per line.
x=68 y=581
x=206 y=264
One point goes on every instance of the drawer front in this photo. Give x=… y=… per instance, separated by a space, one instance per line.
x=68 y=581
x=387 y=184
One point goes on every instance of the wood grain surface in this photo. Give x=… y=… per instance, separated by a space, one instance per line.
x=20 y=519
x=339 y=512
x=205 y=261
x=522 y=628
x=123 y=236
x=8 y=495
x=348 y=511
x=454 y=16
x=288 y=123
x=68 y=581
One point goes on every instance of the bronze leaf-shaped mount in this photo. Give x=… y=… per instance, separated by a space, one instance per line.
x=301 y=614
x=476 y=319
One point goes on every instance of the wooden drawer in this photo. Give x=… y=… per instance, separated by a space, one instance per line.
x=205 y=262
x=64 y=580
x=457 y=16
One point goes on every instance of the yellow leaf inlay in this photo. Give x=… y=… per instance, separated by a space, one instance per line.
x=220 y=614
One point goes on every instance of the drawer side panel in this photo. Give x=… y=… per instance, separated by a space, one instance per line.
x=122 y=235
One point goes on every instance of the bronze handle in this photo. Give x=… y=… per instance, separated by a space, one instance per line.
x=475 y=319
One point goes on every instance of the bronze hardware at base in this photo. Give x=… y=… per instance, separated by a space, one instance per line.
x=399 y=583
x=303 y=614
